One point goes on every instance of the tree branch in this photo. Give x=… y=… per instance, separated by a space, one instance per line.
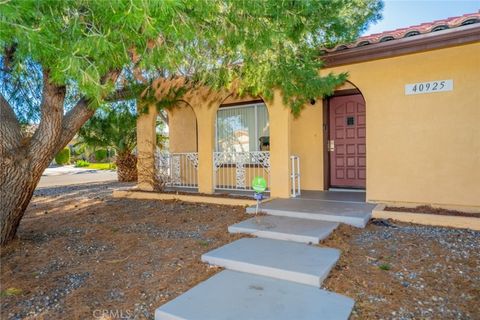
x=80 y=113
x=46 y=136
x=127 y=93
x=10 y=132
x=73 y=121
x=8 y=57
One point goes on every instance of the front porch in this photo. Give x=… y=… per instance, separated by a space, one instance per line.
x=219 y=146
x=332 y=206
x=232 y=172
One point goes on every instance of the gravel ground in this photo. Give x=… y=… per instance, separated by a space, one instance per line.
x=81 y=254
x=406 y=271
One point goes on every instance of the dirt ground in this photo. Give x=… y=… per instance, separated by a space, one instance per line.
x=81 y=253
x=432 y=210
x=398 y=270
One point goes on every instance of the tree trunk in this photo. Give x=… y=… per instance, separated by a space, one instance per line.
x=126 y=167
x=23 y=159
x=17 y=187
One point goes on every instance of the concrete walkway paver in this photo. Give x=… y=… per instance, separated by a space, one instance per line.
x=355 y=214
x=285 y=228
x=278 y=279
x=279 y=259
x=235 y=295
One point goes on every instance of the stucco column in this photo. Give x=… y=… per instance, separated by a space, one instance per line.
x=206 y=145
x=280 y=118
x=146 y=145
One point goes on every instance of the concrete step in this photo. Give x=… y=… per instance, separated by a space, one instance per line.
x=284 y=260
x=355 y=214
x=236 y=295
x=285 y=228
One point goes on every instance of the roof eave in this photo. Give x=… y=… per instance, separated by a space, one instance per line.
x=424 y=42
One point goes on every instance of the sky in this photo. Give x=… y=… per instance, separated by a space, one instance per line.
x=405 y=13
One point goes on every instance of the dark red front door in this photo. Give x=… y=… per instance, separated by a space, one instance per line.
x=347 y=141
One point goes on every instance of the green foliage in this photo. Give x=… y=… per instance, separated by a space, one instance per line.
x=96 y=166
x=265 y=44
x=78 y=150
x=101 y=155
x=112 y=126
x=203 y=243
x=102 y=166
x=63 y=157
x=81 y=163
x=11 y=292
x=385 y=266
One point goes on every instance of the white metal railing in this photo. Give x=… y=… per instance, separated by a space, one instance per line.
x=295 y=175
x=236 y=170
x=179 y=169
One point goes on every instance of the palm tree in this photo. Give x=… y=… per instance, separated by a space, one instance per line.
x=115 y=127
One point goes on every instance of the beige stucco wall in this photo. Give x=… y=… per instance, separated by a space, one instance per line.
x=422 y=148
x=182 y=137
x=182 y=127
x=307 y=143
x=146 y=145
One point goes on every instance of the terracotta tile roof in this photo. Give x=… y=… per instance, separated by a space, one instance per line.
x=428 y=27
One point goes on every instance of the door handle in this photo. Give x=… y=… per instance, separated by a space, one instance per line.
x=331 y=145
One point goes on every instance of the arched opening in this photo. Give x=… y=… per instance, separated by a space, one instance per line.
x=182 y=129
x=242 y=144
x=178 y=163
x=345 y=144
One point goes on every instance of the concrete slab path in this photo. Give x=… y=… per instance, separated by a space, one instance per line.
x=276 y=276
x=285 y=228
x=236 y=295
x=342 y=196
x=355 y=214
x=278 y=259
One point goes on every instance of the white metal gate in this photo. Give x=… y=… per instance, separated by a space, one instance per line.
x=295 y=175
x=236 y=170
x=180 y=169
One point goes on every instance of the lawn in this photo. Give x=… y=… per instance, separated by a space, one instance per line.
x=95 y=166
x=101 y=166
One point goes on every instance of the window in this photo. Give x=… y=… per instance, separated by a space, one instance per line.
x=242 y=128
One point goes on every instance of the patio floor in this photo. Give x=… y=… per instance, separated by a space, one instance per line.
x=337 y=206
x=341 y=196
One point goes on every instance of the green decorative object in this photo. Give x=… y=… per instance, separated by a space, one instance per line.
x=259 y=184
x=63 y=156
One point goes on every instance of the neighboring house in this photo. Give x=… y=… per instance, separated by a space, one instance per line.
x=405 y=127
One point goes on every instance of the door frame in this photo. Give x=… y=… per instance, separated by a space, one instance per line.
x=326 y=133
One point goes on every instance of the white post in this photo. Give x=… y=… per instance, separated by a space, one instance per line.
x=298 y=175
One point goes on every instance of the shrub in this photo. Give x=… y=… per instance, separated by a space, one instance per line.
x=100 y=155
x=81 y=163
x=63 y=157
x=385 y=266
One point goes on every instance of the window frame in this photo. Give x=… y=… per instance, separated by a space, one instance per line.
x=254 y=104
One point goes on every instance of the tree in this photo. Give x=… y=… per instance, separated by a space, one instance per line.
x=115 y=127
x=62 y=59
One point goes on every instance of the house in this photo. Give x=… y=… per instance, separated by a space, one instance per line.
x=405 y=127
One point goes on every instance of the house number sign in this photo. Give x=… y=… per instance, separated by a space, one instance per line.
x=429 y=87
